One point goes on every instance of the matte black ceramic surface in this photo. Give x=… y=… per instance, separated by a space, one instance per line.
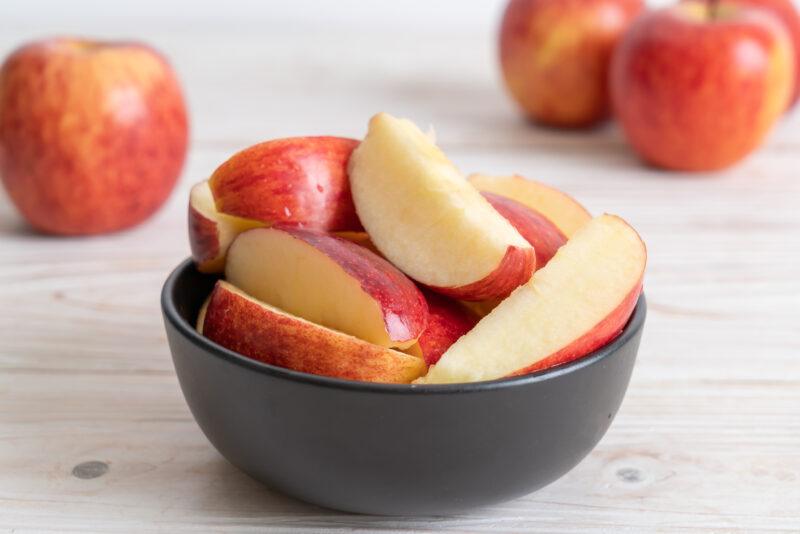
x=389 y=449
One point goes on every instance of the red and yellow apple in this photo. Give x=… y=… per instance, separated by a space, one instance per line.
x=448 y=320
x=577 y=303
x=299 y=181
x=555 y=56
x=212 y=232
x=697 y=86
x=786 y=11
x=329 y=281
x=93 y=135
x=428 y=220
x=241 y=323
x=566 y=213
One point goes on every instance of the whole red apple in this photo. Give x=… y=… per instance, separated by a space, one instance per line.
x=93 y=135
x=697 y=86
x=555 y=55
x=786 y=11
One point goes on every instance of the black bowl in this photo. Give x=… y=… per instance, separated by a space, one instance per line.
x=393 y=449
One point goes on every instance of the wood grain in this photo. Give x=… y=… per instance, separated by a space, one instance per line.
x=708 y=438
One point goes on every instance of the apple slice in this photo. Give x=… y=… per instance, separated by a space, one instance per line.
x=561 y=209
x=428 y=221
x=201 y=315
x=359 y=238
x=579 y=302
x=300 y=181
x=211 y=232
x=448 y=320
x=329 y=281
x=255 y=329
x=537 y=229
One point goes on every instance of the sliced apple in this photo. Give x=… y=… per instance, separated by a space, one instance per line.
x=211 y=232
x=201 y=315
x=537 y=229
x=579 y=302
x=481 y=308
x=255 y=329
x=448 y=320
x=428 y=220
x=301 y=181
x=361 y=239
x=329 y=281
x=558 y=207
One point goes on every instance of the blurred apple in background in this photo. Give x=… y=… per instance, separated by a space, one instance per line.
x=786 y=11
x=555 y=55
x=93 y=135
x=698 y=85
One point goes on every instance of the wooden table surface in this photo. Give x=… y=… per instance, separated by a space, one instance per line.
x=708 y=438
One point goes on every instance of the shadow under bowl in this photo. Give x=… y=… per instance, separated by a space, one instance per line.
x=393 y=449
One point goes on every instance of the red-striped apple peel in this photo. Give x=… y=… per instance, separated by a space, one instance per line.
x=257 y=330
x=298 y=181
x=448 y=320
x=577 y=303
x=329 y=281
x=212 y=232
x=559 y=208
x=537 y=229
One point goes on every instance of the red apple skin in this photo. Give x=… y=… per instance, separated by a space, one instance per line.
x=93 y=135
x=555 y=56
x=515 y=269
x=696 y=94
x=605 y=331
x=447 y=321
x=405 y=310
x=787 y=13
x=301 y=181
x=203 y=237
x=537 y=229
x=261 y=333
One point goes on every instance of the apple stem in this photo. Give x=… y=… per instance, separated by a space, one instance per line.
x=713 y=9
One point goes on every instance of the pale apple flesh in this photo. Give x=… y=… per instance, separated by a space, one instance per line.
x=559 y=208
x=574 y=305
x=329 y=281
x=257 y=330
x=428 y=221
x=211 y=232
x=201 y=315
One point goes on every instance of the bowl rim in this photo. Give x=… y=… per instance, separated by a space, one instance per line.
x=188 y=331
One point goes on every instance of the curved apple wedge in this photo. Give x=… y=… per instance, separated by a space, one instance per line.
x=255 y=329
x=558 y=207
x=329 y=281
x=448 y=320
x=579 y=302
x=211 y=232
x=300 y=181
x=537 y=229
x=428 y=220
